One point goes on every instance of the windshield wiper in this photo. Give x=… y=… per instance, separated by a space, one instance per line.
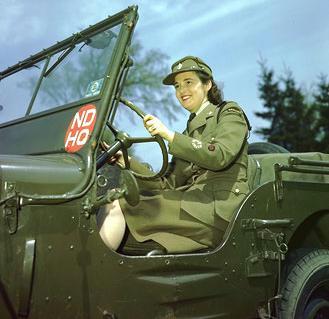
x=59 y=60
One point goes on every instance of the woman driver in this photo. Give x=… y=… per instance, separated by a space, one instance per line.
x=190 y=208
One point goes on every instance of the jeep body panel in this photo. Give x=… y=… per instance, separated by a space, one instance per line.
x=53 y=262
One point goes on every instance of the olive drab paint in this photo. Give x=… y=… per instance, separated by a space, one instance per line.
x=272 y=262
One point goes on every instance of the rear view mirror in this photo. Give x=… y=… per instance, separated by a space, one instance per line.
x=101 y=40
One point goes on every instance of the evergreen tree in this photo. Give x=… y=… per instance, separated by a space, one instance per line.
x=271 y=95
x=299 y=118
x=292 y=119
x=321 y=100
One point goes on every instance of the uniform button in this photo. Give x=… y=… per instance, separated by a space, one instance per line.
x=211 y=147
x=236 y=191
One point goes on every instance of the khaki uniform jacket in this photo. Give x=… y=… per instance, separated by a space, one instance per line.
x=208 y=170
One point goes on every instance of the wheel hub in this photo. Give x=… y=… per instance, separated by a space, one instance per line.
x=317 y=309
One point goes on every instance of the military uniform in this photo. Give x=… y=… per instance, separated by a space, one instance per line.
x=190 y=208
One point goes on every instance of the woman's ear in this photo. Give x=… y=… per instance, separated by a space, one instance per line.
x=209 y=85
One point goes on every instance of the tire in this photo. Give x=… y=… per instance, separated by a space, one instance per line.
x=305 y=292
x=265 y=148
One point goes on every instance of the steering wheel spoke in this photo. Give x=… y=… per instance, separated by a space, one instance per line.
x=126 y=158
x=113 y=129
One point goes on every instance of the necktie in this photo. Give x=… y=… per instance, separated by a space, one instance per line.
x=191 y=117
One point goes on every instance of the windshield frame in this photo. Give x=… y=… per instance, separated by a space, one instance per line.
x=125 y=17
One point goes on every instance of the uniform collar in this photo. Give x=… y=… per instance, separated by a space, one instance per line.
x=202 y=107
x=207 y=111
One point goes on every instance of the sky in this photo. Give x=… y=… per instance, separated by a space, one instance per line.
x=230 y=35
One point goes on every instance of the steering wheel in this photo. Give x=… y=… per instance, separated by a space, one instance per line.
x=123 y=141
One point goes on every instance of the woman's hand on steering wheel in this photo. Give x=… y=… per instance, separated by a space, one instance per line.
x=155 y=127
x=117 y=152
x=118 y=159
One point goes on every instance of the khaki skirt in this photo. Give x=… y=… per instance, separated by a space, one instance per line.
x=160 y=217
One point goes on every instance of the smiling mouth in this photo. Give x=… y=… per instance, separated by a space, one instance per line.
x=185 y=98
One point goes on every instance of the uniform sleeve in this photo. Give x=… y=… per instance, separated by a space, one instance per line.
x=219 y=149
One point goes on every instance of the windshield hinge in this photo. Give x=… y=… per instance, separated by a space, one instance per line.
x=11 y=206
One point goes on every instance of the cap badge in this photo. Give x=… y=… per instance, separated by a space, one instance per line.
x=179 y=66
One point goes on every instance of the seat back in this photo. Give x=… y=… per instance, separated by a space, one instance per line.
x=253 y=172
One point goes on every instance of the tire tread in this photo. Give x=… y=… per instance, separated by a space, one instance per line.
x=296 y=278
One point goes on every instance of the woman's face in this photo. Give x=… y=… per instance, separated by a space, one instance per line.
x=190 y=91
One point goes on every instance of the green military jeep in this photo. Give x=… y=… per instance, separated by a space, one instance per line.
x=272 y=263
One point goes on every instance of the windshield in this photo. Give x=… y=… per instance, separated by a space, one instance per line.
x=16 y=92
x=72 y=74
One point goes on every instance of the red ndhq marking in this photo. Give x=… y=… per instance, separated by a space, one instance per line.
x=80 y=128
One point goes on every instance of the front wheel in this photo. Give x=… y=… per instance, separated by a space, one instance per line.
x=305 y=293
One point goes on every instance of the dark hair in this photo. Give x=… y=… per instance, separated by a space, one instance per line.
x=215 y=95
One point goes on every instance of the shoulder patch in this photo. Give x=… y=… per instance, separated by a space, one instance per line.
x=196 y=144
x=232 y=110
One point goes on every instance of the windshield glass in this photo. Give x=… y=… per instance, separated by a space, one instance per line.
x=16 y=92
x=72 y=74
